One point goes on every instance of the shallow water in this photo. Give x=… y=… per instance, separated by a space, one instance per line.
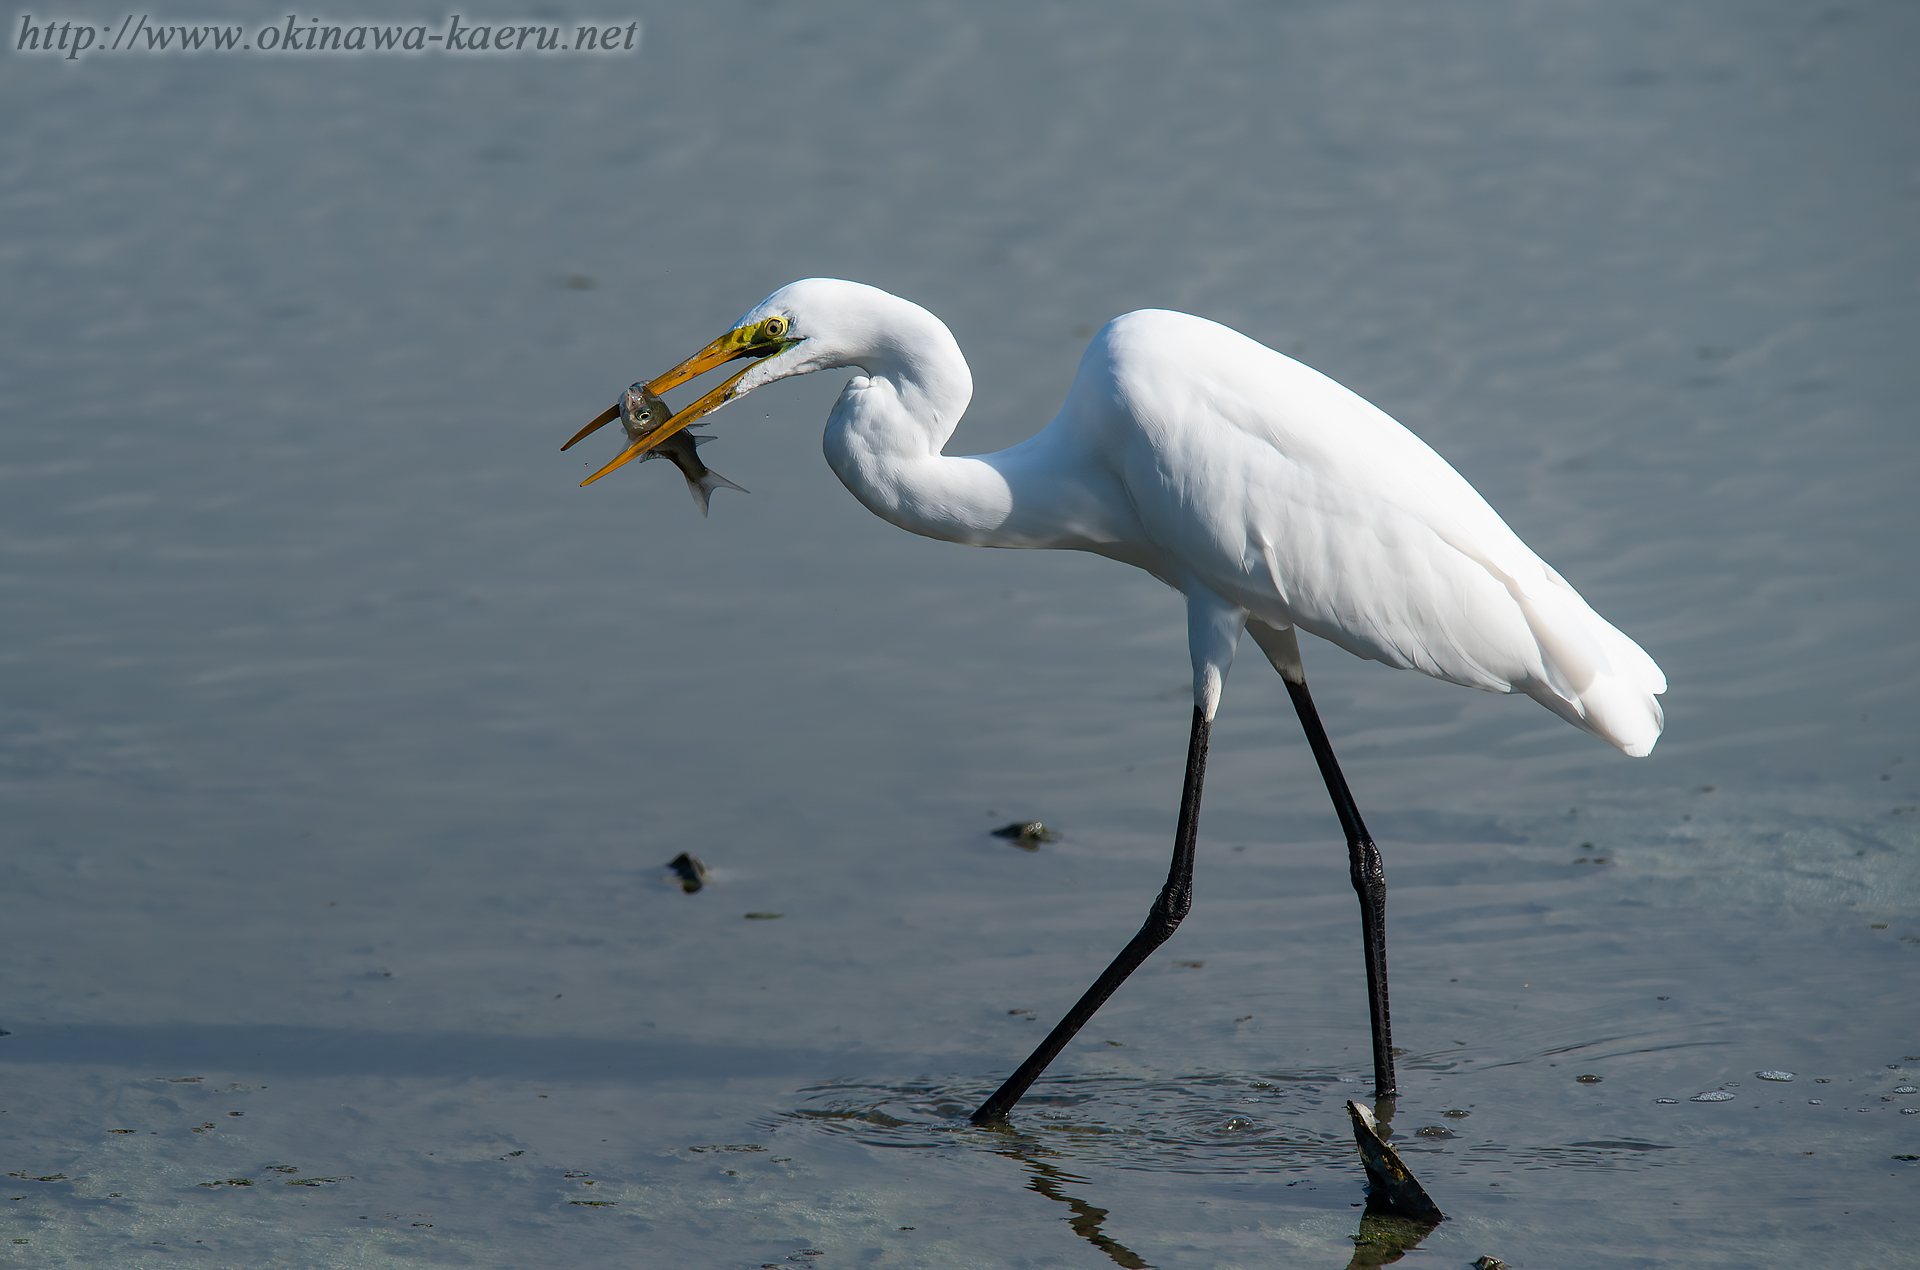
x=344 y=740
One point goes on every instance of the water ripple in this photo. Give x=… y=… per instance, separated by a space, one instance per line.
x=1242 y=1123
x=1216 y=1123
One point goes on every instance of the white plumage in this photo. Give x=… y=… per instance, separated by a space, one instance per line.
x=1259 y=488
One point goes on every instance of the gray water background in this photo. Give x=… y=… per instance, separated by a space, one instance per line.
x=342 y=739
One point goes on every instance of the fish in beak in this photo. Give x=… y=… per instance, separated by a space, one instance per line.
x=641 y=415
x=762 y=339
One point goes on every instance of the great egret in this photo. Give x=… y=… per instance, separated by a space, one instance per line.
x=1267 y=494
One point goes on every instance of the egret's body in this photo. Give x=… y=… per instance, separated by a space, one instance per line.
x=1258 y=488
x=1267 y=494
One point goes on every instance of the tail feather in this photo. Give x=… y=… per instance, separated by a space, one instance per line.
x=1600 y=680
x=1592 y=675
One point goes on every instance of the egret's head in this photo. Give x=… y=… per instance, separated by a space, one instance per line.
x=810 y=325
x=759 y=338
x=828 y=323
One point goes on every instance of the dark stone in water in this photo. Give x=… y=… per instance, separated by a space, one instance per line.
x=692 y=874
x=1391 y=1186
x=1027 y=834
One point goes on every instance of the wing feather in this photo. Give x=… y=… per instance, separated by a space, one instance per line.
x=1307 y=505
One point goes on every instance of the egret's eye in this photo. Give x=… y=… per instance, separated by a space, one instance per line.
x=775 y=327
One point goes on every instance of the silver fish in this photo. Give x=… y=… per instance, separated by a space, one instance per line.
x=641 y=414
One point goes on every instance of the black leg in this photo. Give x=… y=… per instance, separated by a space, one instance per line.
x=1369 y=882
x=1176 y=897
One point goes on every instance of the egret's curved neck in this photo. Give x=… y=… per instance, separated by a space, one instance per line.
x=884 y=442
x=885 y=436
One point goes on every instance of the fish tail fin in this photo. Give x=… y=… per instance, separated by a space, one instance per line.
x=702 y=489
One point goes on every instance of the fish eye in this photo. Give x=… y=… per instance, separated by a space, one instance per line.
x=775 y=327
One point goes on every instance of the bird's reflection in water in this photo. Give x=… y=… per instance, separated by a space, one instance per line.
x=1186 y=1118
x=1045 y=1179
x=1383 y=1239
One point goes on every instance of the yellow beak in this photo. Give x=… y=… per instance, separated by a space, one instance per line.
x=747 y=341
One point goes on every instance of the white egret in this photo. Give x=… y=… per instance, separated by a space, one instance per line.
x=1267 y=494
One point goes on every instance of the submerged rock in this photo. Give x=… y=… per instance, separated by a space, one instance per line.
x=692 y=874
x=1391 y=1186
x=1027 y=834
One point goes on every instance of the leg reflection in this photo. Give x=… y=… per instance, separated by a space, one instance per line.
x=1045 y=1179
x=1384 y=1238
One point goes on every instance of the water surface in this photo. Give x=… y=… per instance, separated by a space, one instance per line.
x=343 y=739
